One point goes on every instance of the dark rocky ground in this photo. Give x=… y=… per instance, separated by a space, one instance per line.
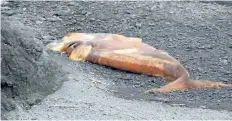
x=198 y=34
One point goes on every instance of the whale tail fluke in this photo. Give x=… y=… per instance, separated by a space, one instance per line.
x=184 y=83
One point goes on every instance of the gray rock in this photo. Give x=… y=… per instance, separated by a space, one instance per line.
x=8 y=12
x=53 y=19
x=27 y=74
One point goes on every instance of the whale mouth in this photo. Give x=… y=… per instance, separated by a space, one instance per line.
x=74 y=44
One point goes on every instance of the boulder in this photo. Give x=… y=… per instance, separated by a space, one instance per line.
x=27 y=74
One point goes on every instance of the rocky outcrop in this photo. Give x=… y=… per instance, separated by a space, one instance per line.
x=27 y=74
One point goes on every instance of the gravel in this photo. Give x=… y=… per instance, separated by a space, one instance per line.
x=198 y=34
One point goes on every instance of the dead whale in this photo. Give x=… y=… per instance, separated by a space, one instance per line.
x=129 y=54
